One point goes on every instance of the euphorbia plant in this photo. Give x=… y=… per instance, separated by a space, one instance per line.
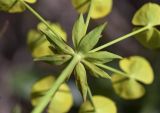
x=84 y=57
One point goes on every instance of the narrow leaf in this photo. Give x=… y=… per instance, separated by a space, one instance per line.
x=54 y=59
x=81 y=79
x=96 y=71
x=78 y=31
x=101 y=57
x=91 y=39
x=57 y=28
x=60 y=44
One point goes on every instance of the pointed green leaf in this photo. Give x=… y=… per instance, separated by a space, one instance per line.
x=101 y=8
x=78 y=31
x=127 y=88
x=149 y=13
x=56 y=27
x=138 y=68
x=91 y=39
x=55 y=106
x=149 y=38
x=96 y=71
x=81 y=79
x=38 y=44
x=102 y=104
x=54 y=59
x=101 y=57
x=58 y=43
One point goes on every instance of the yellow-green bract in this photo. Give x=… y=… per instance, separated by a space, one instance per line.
x=149 y=38
x=101 y=8
x=60 y=103
x=148 y=15
x=102 y=105
x=14 y=6
x=137 y=70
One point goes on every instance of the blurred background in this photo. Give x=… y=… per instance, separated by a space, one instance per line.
x=18 y=71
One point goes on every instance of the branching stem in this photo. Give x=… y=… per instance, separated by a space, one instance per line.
x=111 y=69
x=121 y=38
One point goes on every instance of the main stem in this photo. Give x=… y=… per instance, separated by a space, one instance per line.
x=40 y=18
x=121 y=38
x=61 y=79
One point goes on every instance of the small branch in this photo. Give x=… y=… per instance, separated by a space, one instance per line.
x=91 y=99
x=121 y=38
x=61 y=79
x=111 y=69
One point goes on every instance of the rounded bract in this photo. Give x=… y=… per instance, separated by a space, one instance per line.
x=101 y=8
x=14 y=6
x=102 y=104
x=60 y=103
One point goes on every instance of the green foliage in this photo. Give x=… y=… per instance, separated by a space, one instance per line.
x=14 y=6
x=102 y=104
x=96 y=71
x=101 y=8
x=38 y=43
x=78 y=31
x=58 y=43
x=91 y=39
x=101 y=57
x=55 y=106
x=81 y=79
x=48 y=44
x=148 y=14
x=55 y=59
x=137 y=69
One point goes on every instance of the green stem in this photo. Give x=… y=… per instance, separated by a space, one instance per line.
x=61 y=79
x=111 y=69
x=40 y=18
x=91 y=99
x=89 y=14
x=121 y=38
